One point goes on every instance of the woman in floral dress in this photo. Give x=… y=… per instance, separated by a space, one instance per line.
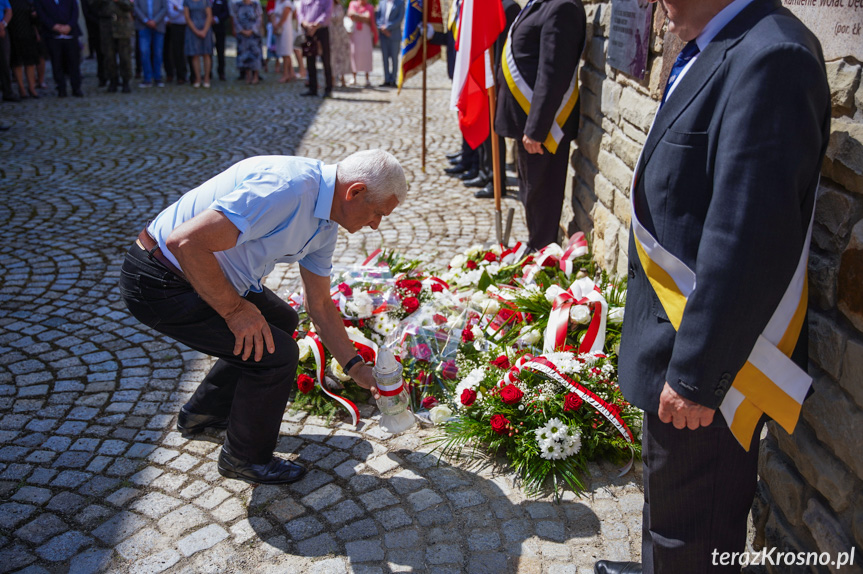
x=249 y=30
x=363 y=38
x=340 y=44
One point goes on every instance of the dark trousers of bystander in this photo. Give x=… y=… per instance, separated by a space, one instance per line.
x=220 y=30
x=252 y=394
x=541 y=183
x=323 y=37
x=5 y=71
x=65 y=61
x=175 y=58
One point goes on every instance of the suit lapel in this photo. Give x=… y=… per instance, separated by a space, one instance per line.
x=702 y=70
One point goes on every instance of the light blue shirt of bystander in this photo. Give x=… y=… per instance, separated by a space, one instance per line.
x=281 y=206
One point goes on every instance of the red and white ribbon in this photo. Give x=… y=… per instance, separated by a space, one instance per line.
x=391 y=389
x=575 y=248
x=583 y=292
x=546 y=367
x=362 y=342
x=318 y=353
x=373 y=257
x=511 y=375
x=295 y=300
x=429 y=281
x=513 y=254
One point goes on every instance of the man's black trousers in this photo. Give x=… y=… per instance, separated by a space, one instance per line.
x=251 y=394
x=322 y=36
x=541 y=183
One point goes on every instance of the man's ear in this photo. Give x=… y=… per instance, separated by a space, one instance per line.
x=355 y=190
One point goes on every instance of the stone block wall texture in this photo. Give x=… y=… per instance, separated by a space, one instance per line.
x=810 y=496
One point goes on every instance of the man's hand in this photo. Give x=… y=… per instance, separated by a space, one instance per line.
x=673 y=408
x=531 y=145
x=151 y=24
x=385 y=32
x=364 y=376
x=251 y=331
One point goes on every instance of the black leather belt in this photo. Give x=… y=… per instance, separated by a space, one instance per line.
x=153 y=250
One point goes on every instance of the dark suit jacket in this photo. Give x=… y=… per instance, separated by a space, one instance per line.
x=726 y=183
x=63 y=12
x=547 y=41
x=394 y=23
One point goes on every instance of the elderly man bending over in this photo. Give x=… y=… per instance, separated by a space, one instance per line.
x=195 y=274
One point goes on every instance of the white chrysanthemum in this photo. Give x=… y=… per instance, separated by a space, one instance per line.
x=551 y=450
x=353 y=331
x=305 y=349
x=552 y=292
x=580 y=314
x=439 y=414
x=542 y=435
x=383 y=324
x=572 y=443
x=556 y=428
x=338 y=373
x=615 y=316
x=458 y=261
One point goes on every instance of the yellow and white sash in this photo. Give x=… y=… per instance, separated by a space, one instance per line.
x=523 y=93
x=770 y=382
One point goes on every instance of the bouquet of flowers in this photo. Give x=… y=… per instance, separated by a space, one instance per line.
x=549 y=414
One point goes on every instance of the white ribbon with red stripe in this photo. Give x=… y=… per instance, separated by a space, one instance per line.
x=318 y=353
x=575 y=248
x=391 y=390
x=429 y=281
x=582 y=292
x=373 y=257
x=513 y=254
x=361 y=342
x=512 y=374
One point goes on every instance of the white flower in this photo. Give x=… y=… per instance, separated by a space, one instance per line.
x=552 y=292
x=383 y=324
x=556 y=428
x=305 y=349
x=478 y=297
x=496 y=249
x=551 y=450
x=360 y=305
x=439 y=414
x=458 y=261
x=616 y=348
x=580 y=314
x=542 y=435
x=529 y=336
x=336 y=368
x=493 y=268
x=490 y=307
x=353 y=331
x=477 y=333
x=572 y=443
x=469 y=278
x=615 y=315
x=474 y=250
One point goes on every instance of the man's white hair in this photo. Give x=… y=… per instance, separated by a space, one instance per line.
x=379 y=170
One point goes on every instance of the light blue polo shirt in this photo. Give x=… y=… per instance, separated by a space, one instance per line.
x=280 y=204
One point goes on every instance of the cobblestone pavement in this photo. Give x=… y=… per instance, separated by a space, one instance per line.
x=93 y=476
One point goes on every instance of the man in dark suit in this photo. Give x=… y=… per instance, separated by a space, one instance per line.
x=389 y=17
x=59 y=20
x=537 y=105
x=726 y=185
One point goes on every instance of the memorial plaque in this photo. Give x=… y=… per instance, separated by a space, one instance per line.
x=629 y=37
x=837 y=23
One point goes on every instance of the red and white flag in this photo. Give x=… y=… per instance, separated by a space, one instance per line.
x=480 y=24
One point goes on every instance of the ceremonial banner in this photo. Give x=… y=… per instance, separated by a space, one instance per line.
x=479 y=25
x=412 y=40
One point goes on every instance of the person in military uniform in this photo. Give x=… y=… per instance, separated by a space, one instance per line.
x=116 y=29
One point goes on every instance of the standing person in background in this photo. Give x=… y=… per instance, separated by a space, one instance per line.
x=199 y=39
x=390 y=15
x=301 y=63
x=24 y=44
x=116 y=30
x=340 y=44
x=175 y=63
x=93 y=41
x=283 y=26
x=315 y=16
x=363 y=38
x=221 y=14
x=248 y=28
x=59 y=19
x=150 y=20
x=5 y=72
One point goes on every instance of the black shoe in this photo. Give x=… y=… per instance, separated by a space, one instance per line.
x=608 y=567
x=222 y=77
x=11 y=98
x=189 y=423
x=112 y=87
x=308 y=93
x=468 y=175
x=455 y=161
x=454 y=155
x=103 y=83
x=456 y=169
x=488 y=192
x=478 y=181
x=126 y=88
x=78 y=93
x=4 y=128
x=277 y=471
x=62 y=94
x=328 y=94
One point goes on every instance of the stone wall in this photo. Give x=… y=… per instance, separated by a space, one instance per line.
x=810 y=496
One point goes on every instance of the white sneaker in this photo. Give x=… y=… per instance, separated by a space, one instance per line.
x=145 y=85
x=160 y=84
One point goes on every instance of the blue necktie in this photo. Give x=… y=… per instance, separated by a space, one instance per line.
x=689 y=51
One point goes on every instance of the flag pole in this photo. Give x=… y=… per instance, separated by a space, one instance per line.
x=495 y=154
x=425 y=47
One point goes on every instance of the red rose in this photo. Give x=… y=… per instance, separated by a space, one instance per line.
x=499 y=423
x=410 y=304
x=502 y=362
x=429 y=402
x=421 y=352
x=410 y=285
x=305 y=383
x=572 y=402
x=348 y=322
x=466 y=336
x=367 y=354
x=449 y=370
x=527 y=261
x=468 y=396
x=489 y=256
x=511 y=394
x=438 y=319
x=436 y=287
x=528 y=317
x=470 y=264
x=345 y=289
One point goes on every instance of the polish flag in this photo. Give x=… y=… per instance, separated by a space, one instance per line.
x=480 y=24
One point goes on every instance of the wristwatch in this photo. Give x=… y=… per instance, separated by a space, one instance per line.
x=350 y=364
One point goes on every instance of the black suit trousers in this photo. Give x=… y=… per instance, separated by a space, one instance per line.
x=65 y=61
x=251 y=394
x=541 y=184
x=220 y=29
x=323 y=37
x=698 y=489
